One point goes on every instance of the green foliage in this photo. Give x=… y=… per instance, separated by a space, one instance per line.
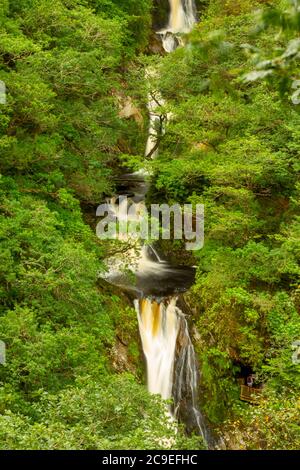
x=282 y=67
x=58 y=390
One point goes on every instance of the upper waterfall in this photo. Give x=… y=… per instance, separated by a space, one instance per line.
x=181 y=21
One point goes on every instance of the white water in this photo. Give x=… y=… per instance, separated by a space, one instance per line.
x=185 y=389
x=156 y=119
x=155 y=127
x=167 y=346
x=170 y=357
x=155 y=123
x=139 y=259
x=158 y=324
x=181 y=21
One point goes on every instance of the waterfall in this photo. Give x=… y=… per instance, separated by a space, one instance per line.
x=182 y=16
x=181 y=21
x=185 y=384
x=159 y=325
x=171 y=360
x=155 y=123
x=167 y=346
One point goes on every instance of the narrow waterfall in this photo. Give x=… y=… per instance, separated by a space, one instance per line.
x=182 y=16
x=181 y=21
x=185 y=384
x=170 y=358
x=159 y=325
x=155 y=121
x=168 y=349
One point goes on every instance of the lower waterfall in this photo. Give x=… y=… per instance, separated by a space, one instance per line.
x=171 y=363
x=182 y=16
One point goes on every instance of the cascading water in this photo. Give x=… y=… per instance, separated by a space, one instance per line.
x=167 y=346
x=185 y=384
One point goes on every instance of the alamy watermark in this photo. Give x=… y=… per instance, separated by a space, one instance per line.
x=2 y=92
x=125 y=219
